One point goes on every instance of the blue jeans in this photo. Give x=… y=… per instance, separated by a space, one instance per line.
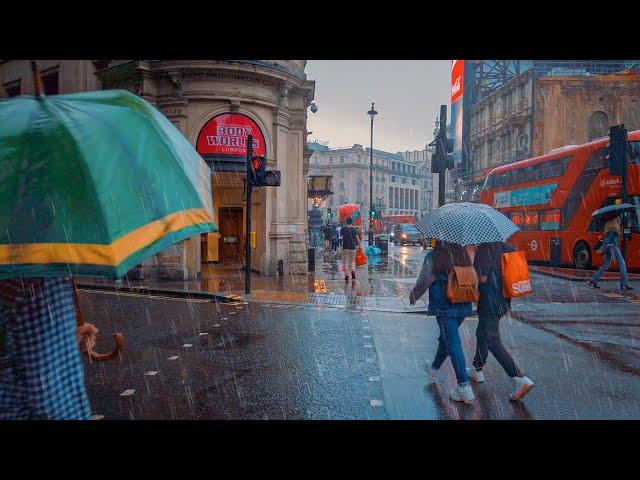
x=450 y=345
x=612 y=250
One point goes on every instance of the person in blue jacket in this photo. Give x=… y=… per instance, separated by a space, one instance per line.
x=434 y=275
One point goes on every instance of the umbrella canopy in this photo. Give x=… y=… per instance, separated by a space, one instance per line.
x=613 y=208
x=93 y=184
x=467 y=223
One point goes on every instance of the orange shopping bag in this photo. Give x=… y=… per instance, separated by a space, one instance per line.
x=361 y=258
x=515 y=275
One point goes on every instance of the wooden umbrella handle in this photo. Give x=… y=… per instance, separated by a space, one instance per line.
x=118 y=337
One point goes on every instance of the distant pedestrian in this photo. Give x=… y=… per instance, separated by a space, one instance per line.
x=612 y=235
x=350 y=243
x=434 y=276
x=41 y=374
x=338 y=239
x=492 y=306
x=326 y=231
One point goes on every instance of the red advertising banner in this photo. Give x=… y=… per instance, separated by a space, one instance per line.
x=457 y=80
x=226 y=134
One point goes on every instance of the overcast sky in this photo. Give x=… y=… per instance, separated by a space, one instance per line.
x=407 y=96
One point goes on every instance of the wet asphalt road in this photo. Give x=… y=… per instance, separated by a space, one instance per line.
x=202 y=360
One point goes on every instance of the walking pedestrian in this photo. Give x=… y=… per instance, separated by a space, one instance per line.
x=338 y=239
x=326 y=231
x=41 y=374
x=612 y=234
x=492 y=306
x=434 y=276
x=350 y=243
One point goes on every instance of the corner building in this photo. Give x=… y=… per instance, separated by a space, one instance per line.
x=215 y=104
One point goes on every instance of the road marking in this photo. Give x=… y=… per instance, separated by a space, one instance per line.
x=374 y=379
x=366 y=336
x=368 y=345
x=151 y=373
x=376 y=403
x=370 y=360
x=175 y=357
x=128 y=392
x=203 y=333
x=216 y=325
x=96 y=417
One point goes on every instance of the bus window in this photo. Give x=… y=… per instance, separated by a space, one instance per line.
x=518 y=176
x=517 y=218
x=596 y=160
x=531 y=221
x=554 y=168
x=550 y=220
x=531 y=174
x=503 y=179
x=488 y=183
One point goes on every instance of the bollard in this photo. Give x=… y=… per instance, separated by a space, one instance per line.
x=312 y=259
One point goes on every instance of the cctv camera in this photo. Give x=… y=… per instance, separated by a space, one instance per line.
x=314 y=108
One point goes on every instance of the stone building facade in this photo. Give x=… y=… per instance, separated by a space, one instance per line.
x=402 y=182
x=272 y=95
x=532 y=115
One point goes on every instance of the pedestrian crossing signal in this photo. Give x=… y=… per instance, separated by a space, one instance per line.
x=259 y=170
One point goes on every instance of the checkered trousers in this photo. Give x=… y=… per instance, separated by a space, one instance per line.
x=41 y=374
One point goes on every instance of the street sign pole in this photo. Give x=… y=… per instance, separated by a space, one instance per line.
x=247 y=233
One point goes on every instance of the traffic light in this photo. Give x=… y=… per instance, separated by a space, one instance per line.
x=618 y=150
x=329 y=214
x=373 y=212
x=441 y=160
x=259 y=171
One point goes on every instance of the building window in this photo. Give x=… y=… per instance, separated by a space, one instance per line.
x=342 y=159
x=598 y=125
x=50 y=82
x=330 y=160
x=13 y=89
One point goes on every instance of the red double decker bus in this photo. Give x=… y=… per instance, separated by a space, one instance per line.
x=551 y=198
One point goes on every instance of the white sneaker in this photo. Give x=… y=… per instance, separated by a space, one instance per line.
x=462 y=394
x=523 y=386
x=476 y=376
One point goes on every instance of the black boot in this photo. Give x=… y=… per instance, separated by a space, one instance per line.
x=593 y=284
x=353 y=275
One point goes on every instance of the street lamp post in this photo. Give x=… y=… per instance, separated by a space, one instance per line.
x=372 y=113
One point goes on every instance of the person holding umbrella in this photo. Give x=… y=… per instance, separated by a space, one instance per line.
x=434 y=276
x=459 y=228
x=612 y=234
x=69 y=207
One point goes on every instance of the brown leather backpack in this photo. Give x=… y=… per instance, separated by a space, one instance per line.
x=462 y=286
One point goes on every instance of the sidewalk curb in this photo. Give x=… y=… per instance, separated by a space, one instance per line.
x=168 y=293
x=577 y=277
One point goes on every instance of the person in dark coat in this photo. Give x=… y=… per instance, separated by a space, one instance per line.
x=492 y=306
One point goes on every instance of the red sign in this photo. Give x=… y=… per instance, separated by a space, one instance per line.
x=226 y=134
x=457 y=80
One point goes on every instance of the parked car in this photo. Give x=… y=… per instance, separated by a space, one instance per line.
x=406 y=233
